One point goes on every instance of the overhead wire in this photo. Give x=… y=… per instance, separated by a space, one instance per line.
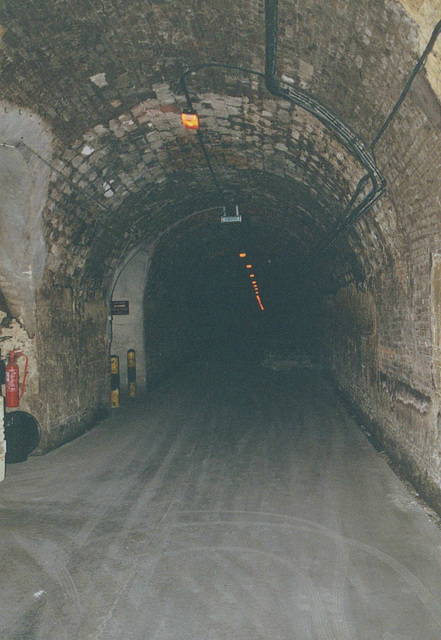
x=330 y=119
x=89 y=196
x=190 y=107
x=353 y=212
x=402 y=97
x=364 y=153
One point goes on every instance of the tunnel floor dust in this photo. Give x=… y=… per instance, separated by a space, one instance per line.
x=236 y=502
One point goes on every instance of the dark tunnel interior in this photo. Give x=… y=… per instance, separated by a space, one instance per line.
x=235 y=293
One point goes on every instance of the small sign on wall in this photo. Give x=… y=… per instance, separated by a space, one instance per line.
x=120 y=307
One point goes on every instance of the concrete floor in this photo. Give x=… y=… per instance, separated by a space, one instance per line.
x=238 y=503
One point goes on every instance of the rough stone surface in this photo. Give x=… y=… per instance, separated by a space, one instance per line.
x=72 y=353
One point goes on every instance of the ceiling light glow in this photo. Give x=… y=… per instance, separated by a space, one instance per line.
x=190 y=120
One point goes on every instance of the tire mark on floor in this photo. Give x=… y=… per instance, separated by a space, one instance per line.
x=302 y=524
x=50 y=558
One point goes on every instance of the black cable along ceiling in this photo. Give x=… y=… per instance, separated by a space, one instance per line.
x=363 y=152
x=295 y=95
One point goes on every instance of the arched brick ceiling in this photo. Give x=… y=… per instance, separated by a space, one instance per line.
x=144 y=172
x=105 y=77
x=349 y=54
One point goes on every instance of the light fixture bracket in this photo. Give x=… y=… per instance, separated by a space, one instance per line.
x=231 y=218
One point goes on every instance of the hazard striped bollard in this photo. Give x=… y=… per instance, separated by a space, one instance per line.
x=114 y=381
x=131 y=372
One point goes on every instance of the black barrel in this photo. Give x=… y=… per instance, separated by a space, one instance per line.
x=22 y=435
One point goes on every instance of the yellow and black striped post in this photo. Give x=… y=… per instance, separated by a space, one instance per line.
x=131 y=372
x=114 y=381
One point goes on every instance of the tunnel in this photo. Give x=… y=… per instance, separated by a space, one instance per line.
x=298 y=221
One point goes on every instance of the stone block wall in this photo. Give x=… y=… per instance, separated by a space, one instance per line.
x=383 y=332
x=72 y=348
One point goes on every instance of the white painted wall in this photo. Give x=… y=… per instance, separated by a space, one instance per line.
x=128 y=331
x=24 y=180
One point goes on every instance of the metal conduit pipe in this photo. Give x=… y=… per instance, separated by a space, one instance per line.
x=340 y=228
x=327 y=117
x=302 y=98
x=349 y=138
x=183 y=83
x=416 y=70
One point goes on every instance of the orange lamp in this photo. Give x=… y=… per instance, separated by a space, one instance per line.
x=242 y=255
x=190 y=120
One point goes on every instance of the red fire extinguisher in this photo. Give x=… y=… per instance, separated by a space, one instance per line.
x=13 y=396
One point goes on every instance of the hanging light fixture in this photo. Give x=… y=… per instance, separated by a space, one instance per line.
x=190 y=119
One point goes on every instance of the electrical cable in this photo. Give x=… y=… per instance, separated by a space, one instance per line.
x=303 y=99
x=183 y=83
x=75 y=187
x=190 y=107
x=329 y=118
x=342 y=131
x=350 y=138
x=210 y=166
x=416 y=70
x=340 y=228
